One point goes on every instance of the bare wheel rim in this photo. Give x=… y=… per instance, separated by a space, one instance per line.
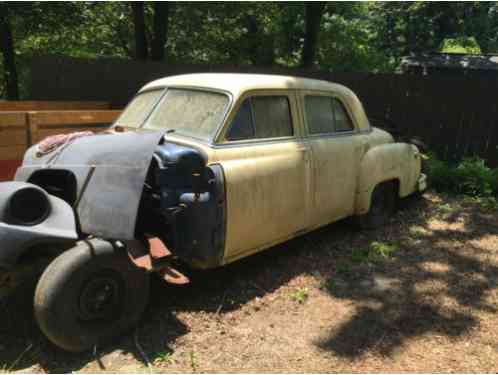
x=101 y=297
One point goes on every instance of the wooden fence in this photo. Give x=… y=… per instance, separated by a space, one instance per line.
x=20 y=130
x=456 y=117
x=36 y=105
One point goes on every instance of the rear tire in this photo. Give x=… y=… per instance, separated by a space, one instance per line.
x=382 y=206
x=88 y=295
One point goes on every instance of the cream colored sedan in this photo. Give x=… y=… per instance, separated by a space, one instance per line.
x=203 y=169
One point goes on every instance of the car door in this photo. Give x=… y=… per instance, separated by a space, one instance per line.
x=336 y=150
x=266 y=166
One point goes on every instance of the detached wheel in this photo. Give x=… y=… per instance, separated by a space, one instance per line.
x=382 y=206
x=88 y=295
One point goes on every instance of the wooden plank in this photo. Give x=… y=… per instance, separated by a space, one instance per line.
x=13 y=137
x=46 y=123
x=52 y=105
x=12 y=152
x=54 y=118
x=8 y=169
x=12 y=119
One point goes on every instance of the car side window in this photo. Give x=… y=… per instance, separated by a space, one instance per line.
x=342 y=120
x=262 y=117
x=242 y=126
x=272 y=117
x=325 y=114
x=319 y=114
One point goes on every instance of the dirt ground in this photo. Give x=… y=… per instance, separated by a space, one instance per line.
x=319 y=303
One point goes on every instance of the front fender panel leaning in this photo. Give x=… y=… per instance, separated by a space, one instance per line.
x=58 y=226
x=110 y=171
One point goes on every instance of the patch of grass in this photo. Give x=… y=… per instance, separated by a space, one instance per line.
x=193 y=361
x=484 y=203
x=327 y=284
x=444 y=208
x=359 y=255
x=382 y=249
x=377 y=252
x=417 y=231
x=344 y=269
x=163 y=357
x=300 y=295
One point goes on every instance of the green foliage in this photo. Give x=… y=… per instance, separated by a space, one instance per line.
x=485 y=203
x=344 y=269
x=471 y=177
x=377 y=252
x=193 y=361
x=164 y=357
x=444 y=208
x=348 y=41
x=368 y=37
x=300 y=295
x=460 y=45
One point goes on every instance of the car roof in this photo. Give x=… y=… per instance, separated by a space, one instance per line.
x=237 y=83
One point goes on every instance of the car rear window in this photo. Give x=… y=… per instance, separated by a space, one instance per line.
x=325 y=114
x=262 y=117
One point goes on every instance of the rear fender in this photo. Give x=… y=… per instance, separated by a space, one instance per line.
x=387 y=162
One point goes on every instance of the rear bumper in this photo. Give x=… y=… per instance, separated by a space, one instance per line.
x=422 y=182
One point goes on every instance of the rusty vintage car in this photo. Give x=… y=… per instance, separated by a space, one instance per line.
x=202 y=169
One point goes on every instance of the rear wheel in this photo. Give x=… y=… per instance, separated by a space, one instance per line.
x=89 y=294
x=382 y=206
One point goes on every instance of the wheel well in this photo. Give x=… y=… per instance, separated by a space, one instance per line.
x=394 y=183
x=47 y=251
x=57 y=182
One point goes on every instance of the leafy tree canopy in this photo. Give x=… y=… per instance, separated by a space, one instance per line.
x=334 y=36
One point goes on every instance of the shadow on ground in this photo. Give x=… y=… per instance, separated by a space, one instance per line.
x=437 y=282
x=391 y=302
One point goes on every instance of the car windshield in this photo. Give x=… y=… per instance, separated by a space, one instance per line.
x=139 y=108
x=193 y=113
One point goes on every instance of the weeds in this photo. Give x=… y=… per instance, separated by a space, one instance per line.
x=193 y=361
x=471 y=177
x=300 y=295
x=378 y=251
x=344 y=269
x=444 y=209
x=163 y=357
x=326 y=284
x=485 y=203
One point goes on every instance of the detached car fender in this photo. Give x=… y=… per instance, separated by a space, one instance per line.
x=400 y=162
x=29 y=217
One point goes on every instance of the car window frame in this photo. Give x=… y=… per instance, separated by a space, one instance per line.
x=332 y=95
x=347 y=116
x=221 y=140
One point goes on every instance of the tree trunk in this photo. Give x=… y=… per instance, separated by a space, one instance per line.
x=313 y=16
x=7 y=48
x=160 y=30
x=141 y=49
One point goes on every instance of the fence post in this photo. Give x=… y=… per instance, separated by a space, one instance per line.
x=33 y=128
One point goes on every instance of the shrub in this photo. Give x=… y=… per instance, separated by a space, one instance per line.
x=471 y=176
